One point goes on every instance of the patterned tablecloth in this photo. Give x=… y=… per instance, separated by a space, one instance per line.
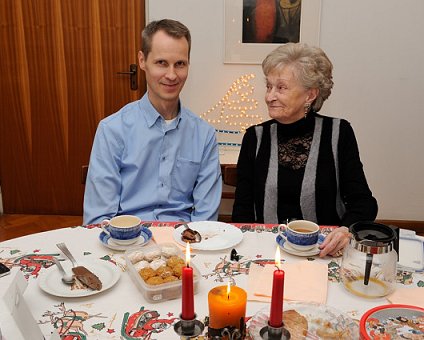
x=122 y=313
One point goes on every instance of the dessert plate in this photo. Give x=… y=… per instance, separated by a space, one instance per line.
x=393 y=321
x=50 y=280
x=215 y=235
x=324 y=322
x=143 y=239
x=290 y=250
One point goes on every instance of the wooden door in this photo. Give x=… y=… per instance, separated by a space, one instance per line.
x=58 y=69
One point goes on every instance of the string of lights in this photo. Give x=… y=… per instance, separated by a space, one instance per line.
x=235 y=106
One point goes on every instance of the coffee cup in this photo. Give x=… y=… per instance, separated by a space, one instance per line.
x=124 y=229
x=302 y=235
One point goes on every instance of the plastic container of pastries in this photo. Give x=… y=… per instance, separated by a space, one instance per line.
x=156 y=271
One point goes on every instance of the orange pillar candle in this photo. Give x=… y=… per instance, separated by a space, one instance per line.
x=227 y=305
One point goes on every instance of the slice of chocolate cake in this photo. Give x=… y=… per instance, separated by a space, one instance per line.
x=87 y=278
x=191 y=236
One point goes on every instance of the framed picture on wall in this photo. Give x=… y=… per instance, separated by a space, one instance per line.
x=253 y=28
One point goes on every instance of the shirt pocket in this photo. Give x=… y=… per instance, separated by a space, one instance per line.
x=184 y=175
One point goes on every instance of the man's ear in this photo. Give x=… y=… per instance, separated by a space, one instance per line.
x=141 y=60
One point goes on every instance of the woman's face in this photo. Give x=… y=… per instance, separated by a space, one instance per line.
x=285 y=96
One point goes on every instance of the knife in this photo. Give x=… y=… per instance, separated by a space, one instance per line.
x=84 y=275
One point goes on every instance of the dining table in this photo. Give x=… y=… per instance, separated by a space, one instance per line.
x=122 y=311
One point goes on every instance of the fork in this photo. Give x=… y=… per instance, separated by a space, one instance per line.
x=65 y=250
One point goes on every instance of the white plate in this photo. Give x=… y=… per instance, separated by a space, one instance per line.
x=143 y=239
x=51 y=279
x=319 y=317
x=290 y=250
x=215 y=235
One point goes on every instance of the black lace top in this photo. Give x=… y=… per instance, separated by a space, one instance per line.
x=294 y=143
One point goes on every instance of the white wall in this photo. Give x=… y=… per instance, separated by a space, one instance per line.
x=377 y=51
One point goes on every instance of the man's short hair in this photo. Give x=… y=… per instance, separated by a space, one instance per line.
x=173 y=28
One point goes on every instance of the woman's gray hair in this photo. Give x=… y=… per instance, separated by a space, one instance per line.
x=312 y=68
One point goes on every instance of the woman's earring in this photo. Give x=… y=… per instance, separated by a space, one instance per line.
x=307 y=108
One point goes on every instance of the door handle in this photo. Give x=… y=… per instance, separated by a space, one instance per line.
x=133 y=76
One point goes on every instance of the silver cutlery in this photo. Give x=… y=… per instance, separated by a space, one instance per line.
x=67 y=253
x=66 y=278
x=191 y=235
x=83 y=274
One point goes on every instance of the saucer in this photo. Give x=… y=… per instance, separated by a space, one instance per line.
x=290 y=250
x=143 y=239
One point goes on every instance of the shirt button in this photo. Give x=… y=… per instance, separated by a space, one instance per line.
x=163 y=158
x=161 y=184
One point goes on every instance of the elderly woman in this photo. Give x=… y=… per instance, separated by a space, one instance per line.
x=301 y=164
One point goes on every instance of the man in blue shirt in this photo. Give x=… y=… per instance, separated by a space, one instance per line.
x=154 y=158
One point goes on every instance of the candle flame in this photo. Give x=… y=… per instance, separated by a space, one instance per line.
x=277 y=258
x=228 y=290
x=187 y=254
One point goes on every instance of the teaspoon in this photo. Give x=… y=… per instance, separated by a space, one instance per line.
x=195 y=233
x=66 y=278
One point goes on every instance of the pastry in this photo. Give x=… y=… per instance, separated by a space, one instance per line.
x=164 y=272
x=140 y=265
x=152 y=255
x=296 y=324
x=328 y=332
x=157 y=264
x=168 y=251
x=146 y=273
x=170 y=279
x=154 y=280
x=174 y=260
x=190 y=236
x=136 y=256
x=178 y=269
x=87 y=277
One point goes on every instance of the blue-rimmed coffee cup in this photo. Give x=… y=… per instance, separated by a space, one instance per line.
x=124 y=229
x=302 y=234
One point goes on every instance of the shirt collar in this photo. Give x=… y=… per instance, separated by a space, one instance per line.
x=152 y=115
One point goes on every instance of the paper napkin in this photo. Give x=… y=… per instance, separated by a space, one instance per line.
x=164 y=235
x=408 y=296
x=304 y=281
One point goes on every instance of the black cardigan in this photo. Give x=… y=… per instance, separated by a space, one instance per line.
x=252 y=172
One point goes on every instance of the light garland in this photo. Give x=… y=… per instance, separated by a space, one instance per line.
x=235 y=105
x=229 y=144
x=233 y=132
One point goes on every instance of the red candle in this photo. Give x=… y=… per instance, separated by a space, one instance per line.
x=187 y=289
x=276 y=314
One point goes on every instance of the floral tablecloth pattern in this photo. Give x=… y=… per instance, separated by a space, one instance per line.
x=122 y=313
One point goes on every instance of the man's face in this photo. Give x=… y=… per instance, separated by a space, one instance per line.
x=166 y=69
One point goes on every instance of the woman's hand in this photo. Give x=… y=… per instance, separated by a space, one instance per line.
x=335 y=242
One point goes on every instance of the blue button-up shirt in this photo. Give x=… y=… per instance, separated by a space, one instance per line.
x=142 y=165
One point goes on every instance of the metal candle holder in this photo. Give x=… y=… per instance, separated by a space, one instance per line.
x=228 y=332
x=274 y=333
x=187 y=329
